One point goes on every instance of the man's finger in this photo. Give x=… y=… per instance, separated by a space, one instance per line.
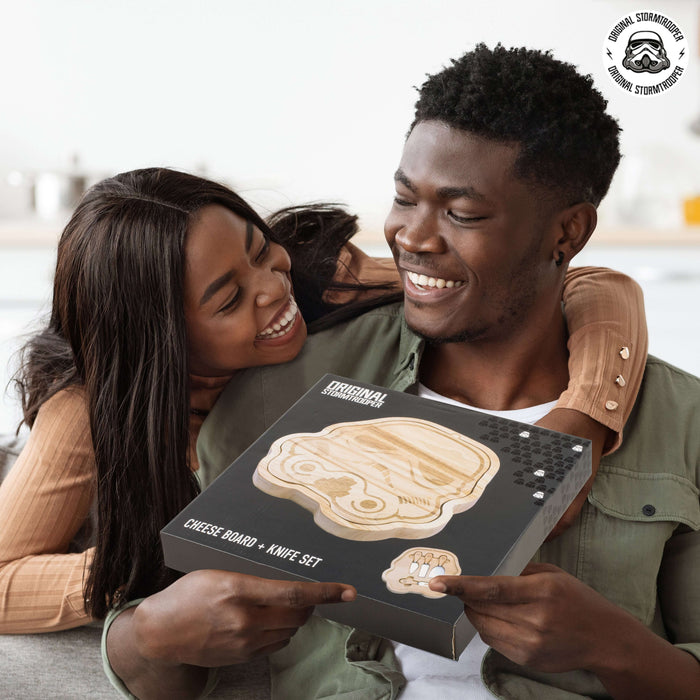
x=493 y=589
x=491 y=629
x=292 y=594
x=502 y=635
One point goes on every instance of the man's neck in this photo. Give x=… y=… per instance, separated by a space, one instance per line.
x=527 y=369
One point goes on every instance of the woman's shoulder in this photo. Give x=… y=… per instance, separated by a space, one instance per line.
x=67 y=406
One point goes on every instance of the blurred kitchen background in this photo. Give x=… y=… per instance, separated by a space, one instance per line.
x=308 y=101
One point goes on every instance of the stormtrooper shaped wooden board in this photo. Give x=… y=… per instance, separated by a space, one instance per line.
x=388 y=477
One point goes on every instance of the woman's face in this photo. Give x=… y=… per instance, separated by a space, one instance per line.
x=239 y=307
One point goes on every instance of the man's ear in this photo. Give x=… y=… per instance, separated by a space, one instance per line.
x=576 y=224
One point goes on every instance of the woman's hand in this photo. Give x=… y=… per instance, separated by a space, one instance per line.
x=207 y=619
x=550 y=621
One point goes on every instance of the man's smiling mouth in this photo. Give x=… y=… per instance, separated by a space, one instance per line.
x=425 y=282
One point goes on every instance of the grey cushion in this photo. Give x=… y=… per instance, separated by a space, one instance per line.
x=59 y=665
x=68 y=666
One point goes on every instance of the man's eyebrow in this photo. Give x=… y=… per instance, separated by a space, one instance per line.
x=457 y=192
x=400 y=176
x=215 y=286
x=442 y=192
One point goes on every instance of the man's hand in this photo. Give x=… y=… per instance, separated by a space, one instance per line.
x=552 y=622
x=544 y=618
x=208 y=619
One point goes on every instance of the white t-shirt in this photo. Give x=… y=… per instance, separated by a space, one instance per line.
x=432 y=676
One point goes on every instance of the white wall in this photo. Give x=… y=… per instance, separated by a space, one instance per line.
x=294 y=100
x=291 y=101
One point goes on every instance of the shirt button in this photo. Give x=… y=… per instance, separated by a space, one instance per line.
x=625 y=353
x=620 y=380
x=648 y=509
x=611 y=405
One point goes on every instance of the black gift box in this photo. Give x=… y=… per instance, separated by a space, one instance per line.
x=344 y=511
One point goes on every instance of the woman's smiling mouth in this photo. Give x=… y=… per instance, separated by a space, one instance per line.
x=281 y=324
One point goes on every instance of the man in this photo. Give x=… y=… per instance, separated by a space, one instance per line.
x=509 y=155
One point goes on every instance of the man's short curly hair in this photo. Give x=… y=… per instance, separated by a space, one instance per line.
x=568 y=142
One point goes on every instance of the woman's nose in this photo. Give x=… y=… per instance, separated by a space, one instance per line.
x=272 y=286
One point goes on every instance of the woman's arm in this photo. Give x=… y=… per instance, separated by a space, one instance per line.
x=44 y=501
x=607 y=353
x=607 y=346
x=607 y=341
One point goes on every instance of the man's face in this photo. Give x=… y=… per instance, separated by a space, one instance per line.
x=473 y=243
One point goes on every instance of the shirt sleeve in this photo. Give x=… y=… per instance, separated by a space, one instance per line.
x=44 y=501
x=113 y=678
x=117 y=683
x=607 y=345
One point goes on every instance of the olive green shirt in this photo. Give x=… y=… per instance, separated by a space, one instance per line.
x=637 y=540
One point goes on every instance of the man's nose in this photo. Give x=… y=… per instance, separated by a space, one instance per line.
x=421 y=233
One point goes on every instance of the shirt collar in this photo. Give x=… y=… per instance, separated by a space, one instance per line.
x=411 y=349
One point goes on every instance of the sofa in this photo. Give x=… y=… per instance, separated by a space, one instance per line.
x=67 y=665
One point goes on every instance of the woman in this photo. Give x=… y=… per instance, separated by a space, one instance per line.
x=140 y=343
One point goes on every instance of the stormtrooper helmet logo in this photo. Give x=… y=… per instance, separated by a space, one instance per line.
x=645 y=53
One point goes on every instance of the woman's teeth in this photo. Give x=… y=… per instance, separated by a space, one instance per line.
x=430 y=282
x=281 y=325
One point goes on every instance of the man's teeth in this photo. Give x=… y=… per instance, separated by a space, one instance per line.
x=425 y=281
x=282 y=325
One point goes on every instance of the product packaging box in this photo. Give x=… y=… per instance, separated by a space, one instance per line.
x=384 y=490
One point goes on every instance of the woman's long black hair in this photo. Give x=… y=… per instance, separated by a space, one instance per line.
x=117 y=329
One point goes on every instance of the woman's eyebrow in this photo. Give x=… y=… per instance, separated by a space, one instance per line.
x=215 y=286
x=248 y=235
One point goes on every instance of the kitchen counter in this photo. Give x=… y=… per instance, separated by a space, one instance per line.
x=30 y=232
x=33 y=232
